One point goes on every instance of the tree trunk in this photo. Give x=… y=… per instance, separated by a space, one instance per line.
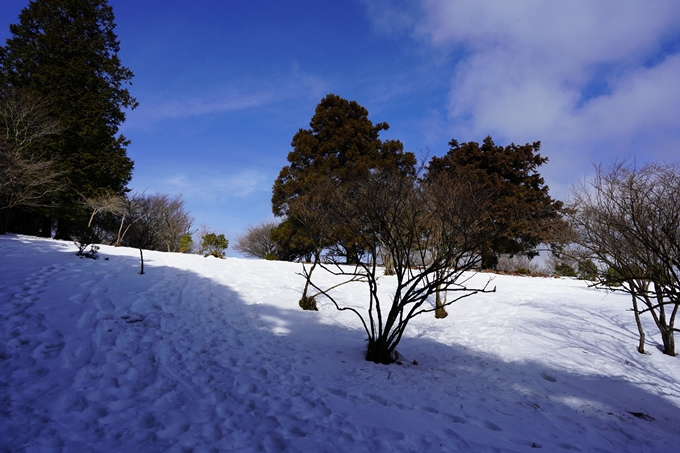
x=46 y=227
x=352 y=254
x=641 y=345
x=668 y=341
x=306 y=302
x=120 y=229
x=141 y=258
x=63 y=230
x=378 y=352
x=489 y=259
x=440 y=311
x=389 y=264
x=4 y=220
x=94 y=213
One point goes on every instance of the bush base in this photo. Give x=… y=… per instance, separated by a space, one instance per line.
x=308 y=303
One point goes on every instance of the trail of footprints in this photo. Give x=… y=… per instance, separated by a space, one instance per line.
x=28 y=350
x=180 y=369
x=162 y=372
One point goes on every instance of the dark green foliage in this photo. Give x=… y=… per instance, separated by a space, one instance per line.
x=523 y=211
x=66 y=52
x=565 y=270
x=214 y=245
x=612 y=278
x=587 y=270
x=84 y=237
x=342 y=145
x=185 y=243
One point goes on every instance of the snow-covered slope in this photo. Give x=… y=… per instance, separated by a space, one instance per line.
x=202 y=355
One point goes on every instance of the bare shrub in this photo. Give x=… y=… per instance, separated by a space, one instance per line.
x=518 y=264
x=432 y=233
x=27 y=176
x=257 y=242
x=164 y=216
x=628 y=219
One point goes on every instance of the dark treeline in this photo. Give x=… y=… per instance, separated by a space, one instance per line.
x=64 y=169
x=64 y=94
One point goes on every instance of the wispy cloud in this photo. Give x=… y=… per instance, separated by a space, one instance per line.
x=187 y=106
x=229 y=96
x=211 y=185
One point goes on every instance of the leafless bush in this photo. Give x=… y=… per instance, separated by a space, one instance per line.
x=27 y=176
x=105 y=201
x=172 y=221
x=628 y=219
x=141 y=230
x=431 y=232
x=165 y=215
x=257 y=242
x=311 y=212
x=518 y=264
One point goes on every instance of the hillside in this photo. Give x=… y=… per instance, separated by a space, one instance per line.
x=206 y=355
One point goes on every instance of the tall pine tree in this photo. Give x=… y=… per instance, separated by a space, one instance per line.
x=66 y=53
x=342 y=145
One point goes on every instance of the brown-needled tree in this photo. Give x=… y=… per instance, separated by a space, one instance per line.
x=523 y=210
x=342 y=145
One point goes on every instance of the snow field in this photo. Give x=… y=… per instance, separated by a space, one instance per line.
x=208 y=355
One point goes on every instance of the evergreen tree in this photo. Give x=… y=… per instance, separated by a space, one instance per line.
x=522 y=210
x=342 y=145
x=65 y=52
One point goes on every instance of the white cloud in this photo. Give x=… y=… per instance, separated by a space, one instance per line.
x=589 y=78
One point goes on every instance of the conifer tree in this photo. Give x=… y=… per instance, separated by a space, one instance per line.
x=342 y=145
x=523 y=211
x=66 y=52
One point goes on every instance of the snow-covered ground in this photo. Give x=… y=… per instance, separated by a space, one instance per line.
x=208 y=355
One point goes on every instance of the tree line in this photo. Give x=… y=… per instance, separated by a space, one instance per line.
x=360 y=208
x=357 y=207
x=64 y=168
x=63 y=96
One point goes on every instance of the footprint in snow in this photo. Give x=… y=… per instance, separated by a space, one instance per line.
x=98 y=290
x=548 y=377
x=77 y=297
x=132 y=318
x=492 y=426
x=102 y=303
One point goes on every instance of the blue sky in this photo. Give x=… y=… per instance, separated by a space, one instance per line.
x=224 y=85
